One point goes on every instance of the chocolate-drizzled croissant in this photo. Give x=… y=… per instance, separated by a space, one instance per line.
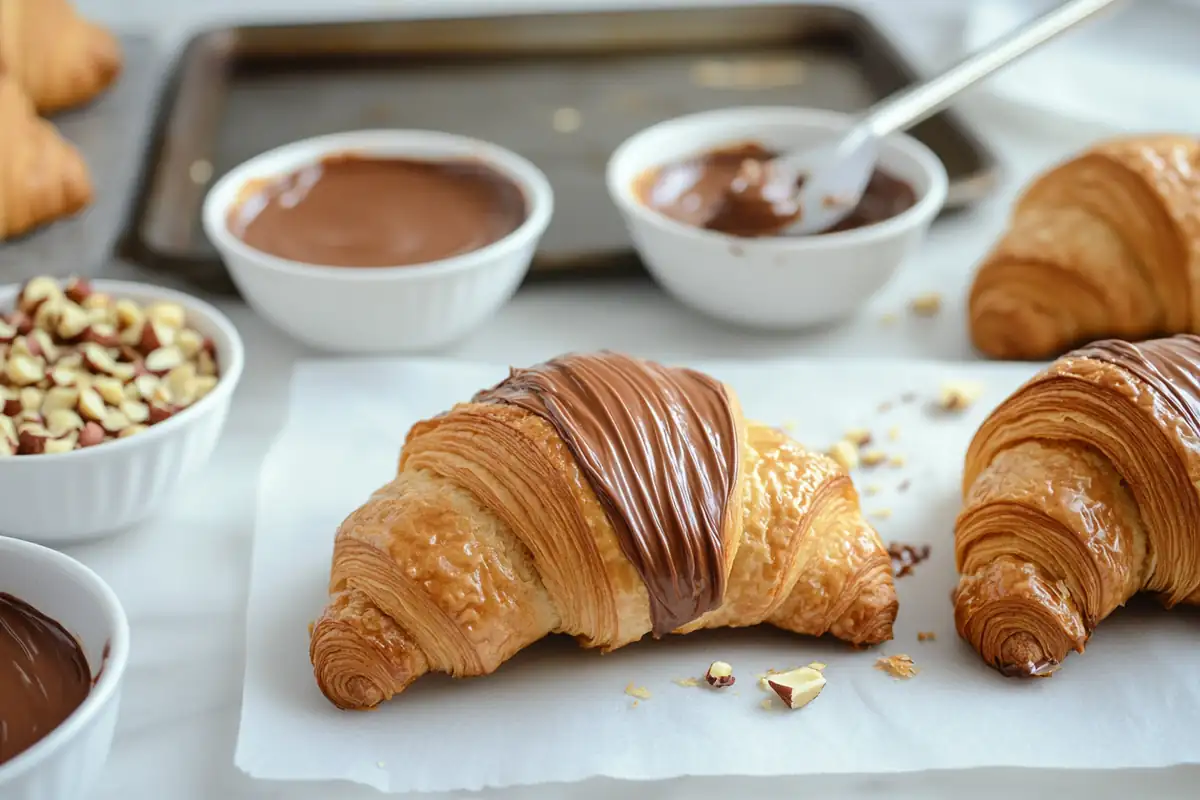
x=598 y=496
x=1080 y=491
x=1106 y=244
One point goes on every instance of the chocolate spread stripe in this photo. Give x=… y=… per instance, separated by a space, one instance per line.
x=44 y=676
x=1171 y=367
x=659 y=448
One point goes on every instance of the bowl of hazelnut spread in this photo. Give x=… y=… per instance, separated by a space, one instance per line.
x=715 y=190
x=44 y=676
x=64 y=647
x=379 y=241
x=363 y=211
x=689 y=191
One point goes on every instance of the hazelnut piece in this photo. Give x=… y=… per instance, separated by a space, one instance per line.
x=91 y=435
x=798 y=687
x=719 y=675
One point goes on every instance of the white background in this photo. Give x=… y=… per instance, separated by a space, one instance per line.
x=183 y=576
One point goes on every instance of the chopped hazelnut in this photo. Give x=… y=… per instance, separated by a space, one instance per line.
x=720 y=675
x=639 y=692
x=858 y=436
x=958 y=395
x=882 y=513
x=926 y=305
x=845 y=454
x=799 y=687
x=873 y=458
x=896 y=461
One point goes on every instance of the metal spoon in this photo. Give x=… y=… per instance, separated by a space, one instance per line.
x=835 y=175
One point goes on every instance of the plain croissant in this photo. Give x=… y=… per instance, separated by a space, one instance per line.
x=598 y=496
x=1080 y=491
x=1105 y=245
x=42 y=176
x=60 y=59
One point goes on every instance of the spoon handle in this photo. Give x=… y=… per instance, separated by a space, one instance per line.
x=913 y=105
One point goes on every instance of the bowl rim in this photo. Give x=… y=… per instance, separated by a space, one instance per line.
x=927 y=205
x=112 y=671
x=384 y=141
x=227 y=378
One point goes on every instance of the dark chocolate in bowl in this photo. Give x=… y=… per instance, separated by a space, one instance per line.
x=727 y=190
x=356 y=210
x=44 y=676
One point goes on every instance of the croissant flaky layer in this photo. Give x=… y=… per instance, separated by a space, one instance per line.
x=58 y=58
x=1106 y=244
x=1080 y=491
x=42 y=176
x=506 y=523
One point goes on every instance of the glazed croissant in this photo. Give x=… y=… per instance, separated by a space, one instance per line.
x=1104 y=245
x=599 y=496
x=42 y=176
x=60 y=59
x=1081 y=490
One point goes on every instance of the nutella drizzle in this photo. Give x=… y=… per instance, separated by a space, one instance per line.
x=659 y=447
x=44 y=676
x=1170 y=366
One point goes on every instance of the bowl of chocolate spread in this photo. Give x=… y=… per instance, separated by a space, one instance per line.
x=64 y=643
x=690 y=192
x=379 y=241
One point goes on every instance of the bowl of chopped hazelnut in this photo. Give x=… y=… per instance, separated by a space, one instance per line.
x=111 y=394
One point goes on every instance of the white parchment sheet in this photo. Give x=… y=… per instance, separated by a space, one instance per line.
x=560 y=713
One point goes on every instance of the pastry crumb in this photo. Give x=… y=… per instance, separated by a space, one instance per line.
x=896 y=461
x=894 y=432
x=381 y=764
x=890 y=318
x=687 y=683
x=898 y=666
x=926 y=305
x=311 y=626
x=845 y=454
x=766 y=703
x=872 y=489
x=881 y=513
x=640 y=692
x=926 y=636
x=634 y=704
x=958 y=395
x=788 y=426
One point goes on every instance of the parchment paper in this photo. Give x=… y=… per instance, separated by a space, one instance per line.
x=559 y=713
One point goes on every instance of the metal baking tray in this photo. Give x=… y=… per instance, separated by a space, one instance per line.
x=561 y=89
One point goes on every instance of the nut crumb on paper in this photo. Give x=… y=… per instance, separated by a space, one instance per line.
x=858 y=436
x=766 y=703
x=873 y=458
x=845 y=454
x=789 y=426
x=634 y=704
x=904 y=484
x=926 y=305
x=872 y=489
x=898 y=666
x=687 y=683
x=881 y=513
x=640 y=692
x=958 y=395
x=894 y=432
x=889 y=318
x=926 y=636
x=896 y=461
x=817 y=665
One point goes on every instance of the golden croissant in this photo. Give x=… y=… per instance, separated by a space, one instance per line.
x=1080 y=491
x=42 y=176
x=598 y=496
x=60 y=59
x=1105 y=245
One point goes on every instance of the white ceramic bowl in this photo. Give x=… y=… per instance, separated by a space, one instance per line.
x=68 y=497
x=66 y=764
x=389 y=309
x=777 y=283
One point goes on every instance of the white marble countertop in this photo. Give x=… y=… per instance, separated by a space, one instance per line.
x=183 y=575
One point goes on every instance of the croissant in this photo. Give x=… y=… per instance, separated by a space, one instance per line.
x=1080 y=490
x=598 y=496
x=42 y=176
x=1105 y=245
x=61 y=59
